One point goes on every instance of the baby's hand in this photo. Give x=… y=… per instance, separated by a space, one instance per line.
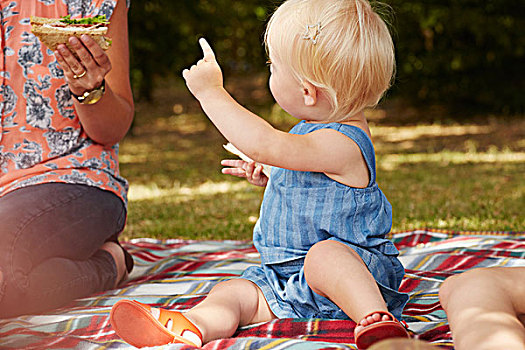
x=251 y=171
x=206 y=75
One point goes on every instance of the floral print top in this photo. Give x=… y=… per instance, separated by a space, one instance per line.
x=41 y=138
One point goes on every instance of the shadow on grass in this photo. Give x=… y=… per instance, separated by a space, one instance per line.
x=460 y=176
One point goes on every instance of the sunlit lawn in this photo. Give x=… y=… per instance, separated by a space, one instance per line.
x=467 y=176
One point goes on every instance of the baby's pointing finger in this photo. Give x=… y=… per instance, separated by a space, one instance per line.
x=206 y=50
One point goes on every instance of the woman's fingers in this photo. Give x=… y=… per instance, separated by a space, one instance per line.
x=82 y=53
x=86 y=70
x=70 y=65
x=97 y=55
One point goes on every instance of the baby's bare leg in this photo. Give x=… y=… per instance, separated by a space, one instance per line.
x=229 y=305
x=337 y=272
x=483 y=307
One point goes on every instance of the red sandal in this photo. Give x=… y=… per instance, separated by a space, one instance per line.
x=136 y=323
x=380 y=330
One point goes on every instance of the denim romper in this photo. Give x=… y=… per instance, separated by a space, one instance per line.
x=302 y=208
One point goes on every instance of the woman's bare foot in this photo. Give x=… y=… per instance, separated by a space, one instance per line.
x=1 y=284
x=120 y=260
x=370 y=320
x=402 y=344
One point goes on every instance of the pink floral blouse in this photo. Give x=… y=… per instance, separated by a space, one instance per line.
x=41 y=138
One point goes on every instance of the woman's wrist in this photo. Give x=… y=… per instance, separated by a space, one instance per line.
x=107 y=121
x=90 y=97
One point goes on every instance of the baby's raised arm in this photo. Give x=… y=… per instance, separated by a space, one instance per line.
x=204 y=77
x=319 y=151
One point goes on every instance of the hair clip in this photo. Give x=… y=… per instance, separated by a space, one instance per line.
x=312 y=32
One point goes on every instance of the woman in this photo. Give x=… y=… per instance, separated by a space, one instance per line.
x=62 y=200
x=486 y=308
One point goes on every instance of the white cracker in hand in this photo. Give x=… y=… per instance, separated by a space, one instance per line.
x=232 y=149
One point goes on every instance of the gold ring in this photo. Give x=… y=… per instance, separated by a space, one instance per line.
x=80 y=75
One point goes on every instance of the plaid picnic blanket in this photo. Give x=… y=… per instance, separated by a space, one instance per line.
x=178 y=274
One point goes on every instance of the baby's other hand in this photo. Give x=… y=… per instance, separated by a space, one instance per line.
x=251 y=171
x=205 y=75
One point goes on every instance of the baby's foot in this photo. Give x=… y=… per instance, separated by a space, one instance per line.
x=377 y=326
x=143 y=326
x=370 y=319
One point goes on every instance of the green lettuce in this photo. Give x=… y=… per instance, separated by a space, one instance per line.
x=87 y=20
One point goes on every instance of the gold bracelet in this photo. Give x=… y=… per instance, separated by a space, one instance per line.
x=92 y=96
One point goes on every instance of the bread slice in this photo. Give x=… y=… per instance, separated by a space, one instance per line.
x=52 y=32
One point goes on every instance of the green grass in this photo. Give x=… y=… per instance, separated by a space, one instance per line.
x=436 y=175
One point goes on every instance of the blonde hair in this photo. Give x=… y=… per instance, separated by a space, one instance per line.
x=350 y=57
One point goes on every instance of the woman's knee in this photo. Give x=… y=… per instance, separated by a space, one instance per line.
x=447 y=289
x=465 y=282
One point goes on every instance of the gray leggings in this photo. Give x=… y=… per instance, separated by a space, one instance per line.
x=50 y=239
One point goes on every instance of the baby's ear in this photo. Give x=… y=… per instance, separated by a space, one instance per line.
x=309 y=93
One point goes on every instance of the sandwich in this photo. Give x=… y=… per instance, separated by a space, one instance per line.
x=55 y=31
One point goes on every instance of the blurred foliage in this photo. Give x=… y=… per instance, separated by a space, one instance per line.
x=462 y=54
x=164 y=35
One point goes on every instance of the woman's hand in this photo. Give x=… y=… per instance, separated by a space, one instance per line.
x=251 y=171
x=205 y=75
x=89 y=70
x=108 y=120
